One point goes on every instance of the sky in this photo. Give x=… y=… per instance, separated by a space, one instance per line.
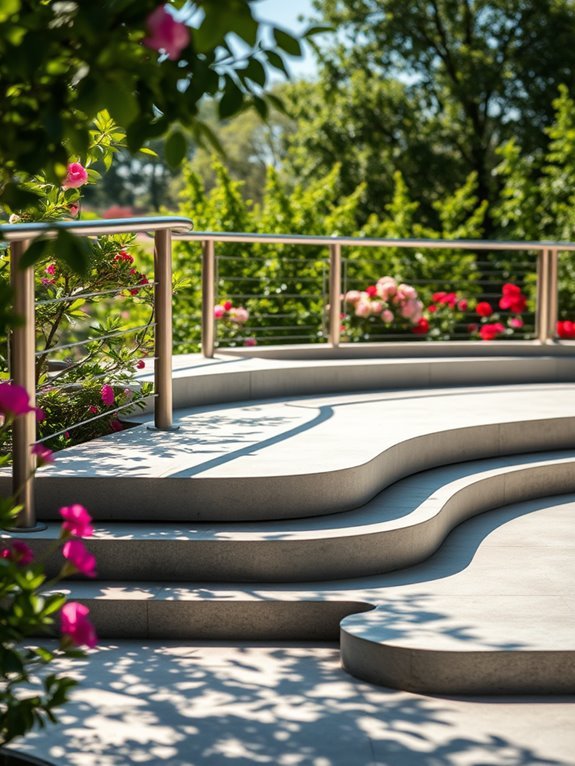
x=284 y=13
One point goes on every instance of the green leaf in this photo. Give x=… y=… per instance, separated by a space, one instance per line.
x=276 y=102
x=8 y=8
x=277 y=62
x=39 y=248
x=74 y=251
x=211 y=31
x=286 y=42
x=255 y=72
x=232 y=100
x=122 y=102
x=16 y=198
x=148 y=151
x=261 y=107
x=175 y=148
x=317 y=30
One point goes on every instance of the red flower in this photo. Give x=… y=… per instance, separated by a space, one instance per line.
x=18 y=552
x=422 y=327
x=140 y=364
x=432 y=309
x=512 y=299
x=491 y=331
x=462 y=305
x=228 y=305
x=484 y=309
x=371 y=291
x=566 y=329
x=438 y=297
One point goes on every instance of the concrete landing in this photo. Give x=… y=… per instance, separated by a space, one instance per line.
x=301 y=457
x=187 y=704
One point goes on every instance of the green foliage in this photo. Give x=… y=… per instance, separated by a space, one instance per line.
x=63 y=63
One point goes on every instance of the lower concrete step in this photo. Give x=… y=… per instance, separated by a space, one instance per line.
x=492 y=612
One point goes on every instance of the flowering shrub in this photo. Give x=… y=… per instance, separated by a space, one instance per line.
x=566 y=330
x=385 y=305
x=232 y=320
x=445 y=314
x=493 y=324
x=27 y=610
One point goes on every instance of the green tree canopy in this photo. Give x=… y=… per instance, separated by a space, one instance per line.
x=450 y=79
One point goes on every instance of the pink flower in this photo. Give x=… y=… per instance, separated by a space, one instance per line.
x=93 y=410
x=19 y=553
x=116 y=426
x=407 y=291
x=73 y=209
x=239 y=315
x=14 y=400
x=77 y=520
x=491 y=331
x=386 y=288
x=219 y=311
x=387 y=316
x=75 y=177
x=515 y=322
x=484 y=309
x=376 y=307
x=50 y=269
x=140 y=364
x=40 y=415
x=107 y=394
x=463 y=305
x=362 y=309
x=75 y=624
x=166 y=34
x=411 y=309
x=79 y=557
x=45 y=281
x=44 y=456
x=250 y=342
x=352 y=296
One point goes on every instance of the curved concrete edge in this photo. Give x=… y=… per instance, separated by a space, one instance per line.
x=234 y=379
x=458 y=672
x=266 y=498
x=382 y=548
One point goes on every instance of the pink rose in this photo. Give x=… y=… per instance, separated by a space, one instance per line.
x=93 y=410
x=352 y=296
x=239 y=315
x=77 y=520
x=44 y=456
x=515 y=322
x=75 y=177
x=387 y=316
x=166 y=34
x=219 y=311
x=463 y=305
x=107 y=394
x=50 y=269
x=411 y=309
x=79 y=557
x=376 y=307
x=407 y=291
x=250 y=342
x=362 y=309
x=75 y=624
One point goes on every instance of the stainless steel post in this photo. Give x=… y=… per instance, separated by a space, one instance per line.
x=22 y=371
x=542 y=308
x=334 y=294
x=163 y=408
x=553 y=300
x=208 y=298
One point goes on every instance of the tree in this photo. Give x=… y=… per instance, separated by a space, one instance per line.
x=150 y=66
x=472 y=73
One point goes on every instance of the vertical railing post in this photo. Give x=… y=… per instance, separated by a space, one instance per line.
x=208 y=298
x=334 y=294
x=163 y=407
x=22 y=372
x=543 y=292
x=553 y=300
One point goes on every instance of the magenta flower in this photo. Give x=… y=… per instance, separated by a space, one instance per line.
x=107 y=394
x=75 y=624
x=166 y=34
x=44 y=456
x=219 y=311
x=18 y=552
x=250 y=342
x=75 y=177
x=40 y=415
x=77 y=520
x=93 y=410
x=140 y=364
x=79 y=557
x=115 y=425
x=50 y=269
x=14 y=400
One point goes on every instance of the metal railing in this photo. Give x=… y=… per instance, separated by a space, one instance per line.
x=547 y=271
x=22 y=337
x=22 y=344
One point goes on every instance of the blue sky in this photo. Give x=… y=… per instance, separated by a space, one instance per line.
x=284 y=13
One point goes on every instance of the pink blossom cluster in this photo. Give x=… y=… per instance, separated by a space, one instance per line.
x=165 y=33
x=387 y=300
x=76 y=176
x=227 y=311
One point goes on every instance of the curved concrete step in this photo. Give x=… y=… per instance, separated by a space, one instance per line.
x=301 y=457
x=491 y=612
x=503 y=624
x=400 y=527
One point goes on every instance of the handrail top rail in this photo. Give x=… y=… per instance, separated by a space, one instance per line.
x=304 y=239
x=14 y=232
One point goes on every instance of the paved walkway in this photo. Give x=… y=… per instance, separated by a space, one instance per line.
x=168 y=704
